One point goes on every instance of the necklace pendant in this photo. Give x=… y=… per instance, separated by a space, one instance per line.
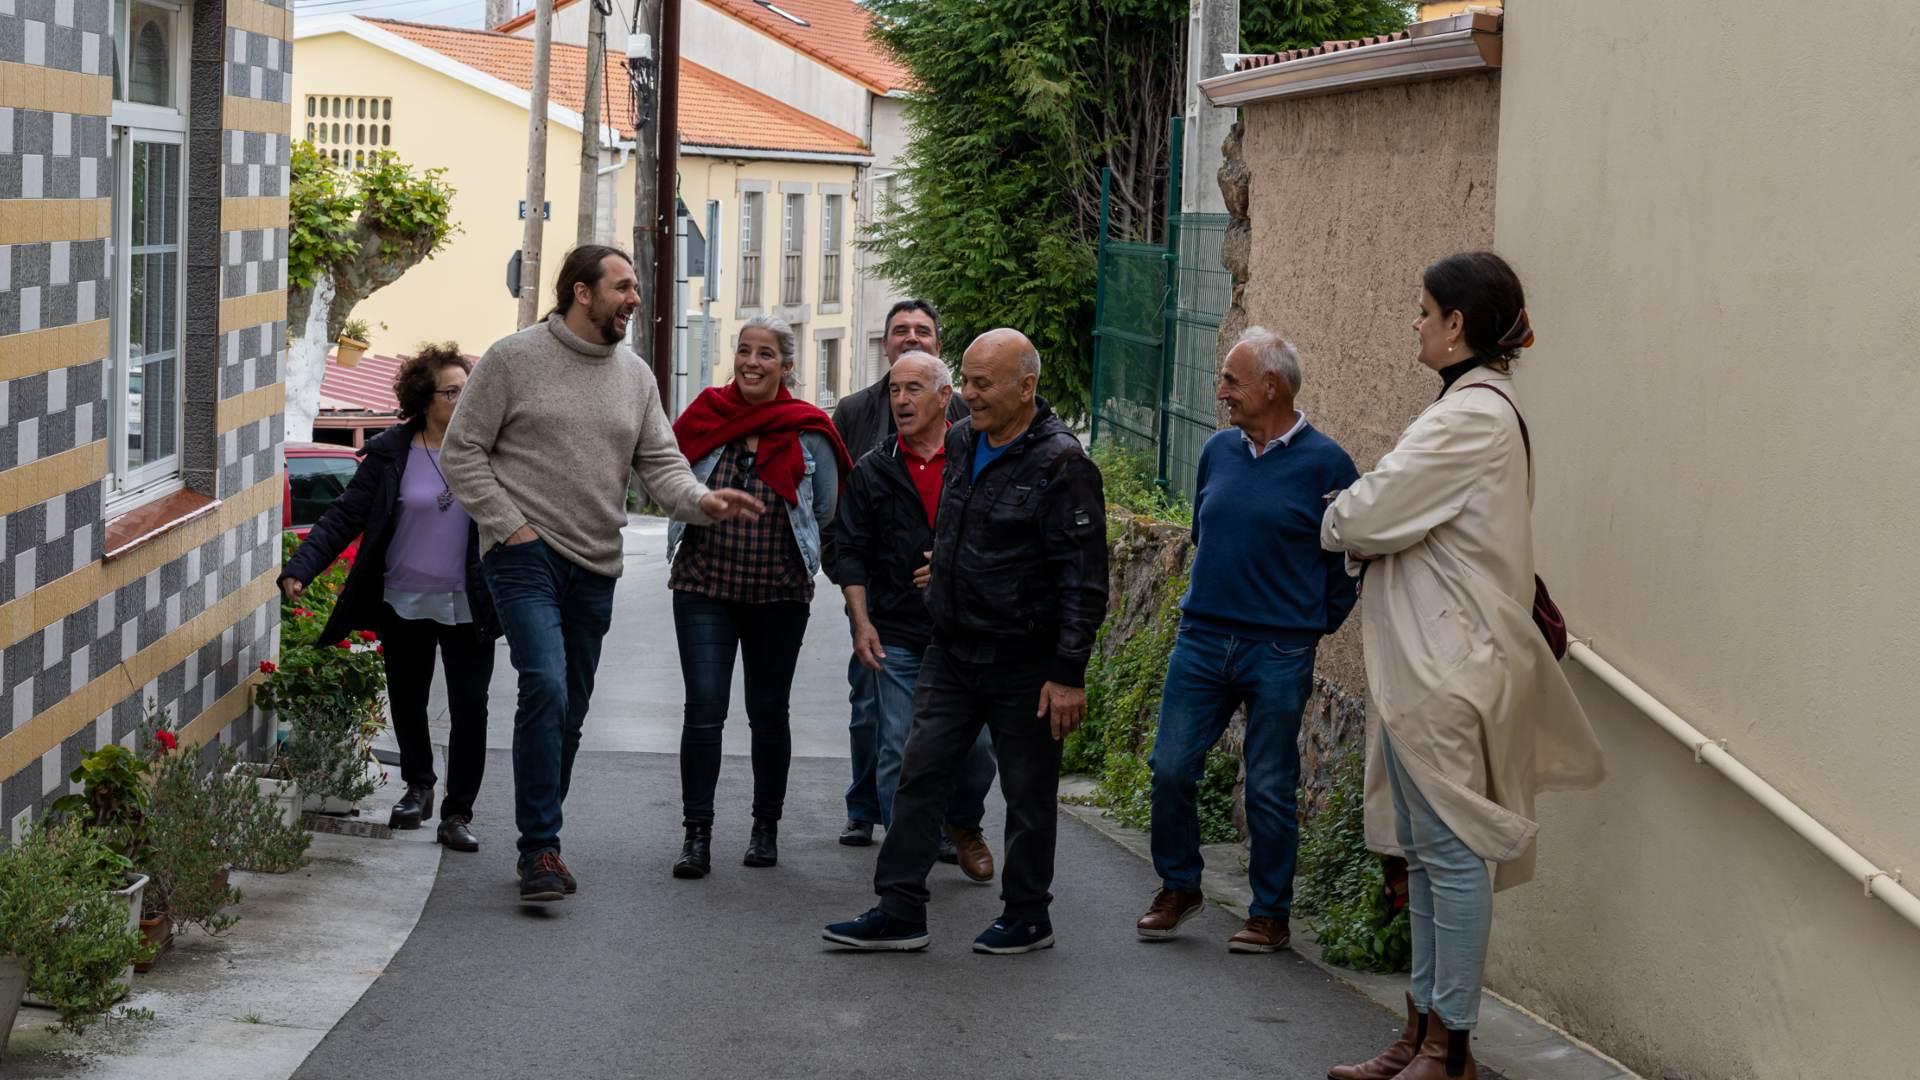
x=445 y=500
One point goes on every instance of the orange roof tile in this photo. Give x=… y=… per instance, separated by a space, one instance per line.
x=714 y=111
x=1248 y=63
x=836 y=34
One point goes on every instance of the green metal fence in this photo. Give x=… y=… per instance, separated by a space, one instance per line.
x=1156 y=320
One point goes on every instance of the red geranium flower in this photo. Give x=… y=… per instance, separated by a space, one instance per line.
x=166 y=739
x=268 y=667
x=302 y=612
x=368 y=635
x=380 y=650
x=344 y=645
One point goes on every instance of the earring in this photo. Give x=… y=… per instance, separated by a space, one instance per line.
x=1449 y=348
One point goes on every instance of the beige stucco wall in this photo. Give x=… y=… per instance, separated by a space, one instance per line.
x=1717 y=231
x=1350 y=196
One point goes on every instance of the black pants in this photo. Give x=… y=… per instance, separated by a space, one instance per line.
x=767 y=637
x=960 y=689
x=468 y=662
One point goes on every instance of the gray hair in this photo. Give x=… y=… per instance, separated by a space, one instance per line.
x=942 y=374
x=1273 y=354
x=783 y=338
x=1030 y=361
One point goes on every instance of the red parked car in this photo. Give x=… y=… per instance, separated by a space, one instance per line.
x=316 y=475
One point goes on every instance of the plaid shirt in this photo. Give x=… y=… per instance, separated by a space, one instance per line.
x=746 y=562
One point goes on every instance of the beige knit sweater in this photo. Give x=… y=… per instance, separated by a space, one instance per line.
x=547 y=427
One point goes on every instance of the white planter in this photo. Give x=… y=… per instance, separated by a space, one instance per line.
x=13 y=988
x=327 y=804
x=284 y=792
x=131 y=896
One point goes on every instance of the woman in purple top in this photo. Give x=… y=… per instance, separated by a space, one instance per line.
x=417 y=583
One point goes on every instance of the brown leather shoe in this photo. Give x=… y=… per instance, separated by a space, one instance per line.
x=976 y=858
x=1444 y=1055
x=1168 y=910
x=1260 y=934
x=1395 y=1058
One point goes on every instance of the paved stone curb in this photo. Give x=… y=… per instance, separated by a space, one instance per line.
x=1511 y=1040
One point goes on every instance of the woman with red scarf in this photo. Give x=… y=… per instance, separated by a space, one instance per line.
x=746 y=587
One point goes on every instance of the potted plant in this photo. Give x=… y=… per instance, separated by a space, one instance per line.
x=113 y=800
x=352 y=343
x=64 y=938
x=331 y=700
x=274 y=782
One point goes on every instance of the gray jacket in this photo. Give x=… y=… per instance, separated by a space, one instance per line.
x=819 y=493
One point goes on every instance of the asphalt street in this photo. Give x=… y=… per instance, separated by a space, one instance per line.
x=643 y=975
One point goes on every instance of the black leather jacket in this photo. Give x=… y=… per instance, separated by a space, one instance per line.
x=1020 y=557
x=865 y=420
x=367 y=508
x=882 y=532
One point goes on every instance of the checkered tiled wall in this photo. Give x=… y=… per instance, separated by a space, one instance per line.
x=201 y=611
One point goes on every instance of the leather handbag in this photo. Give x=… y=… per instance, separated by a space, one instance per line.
x=1546 y=614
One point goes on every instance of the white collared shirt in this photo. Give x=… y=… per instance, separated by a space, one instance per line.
x=1299 y=422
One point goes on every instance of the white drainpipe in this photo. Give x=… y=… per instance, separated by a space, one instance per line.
x=1876 y=882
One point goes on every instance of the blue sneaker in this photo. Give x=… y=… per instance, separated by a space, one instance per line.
x=1008 y=936
x=877 y=930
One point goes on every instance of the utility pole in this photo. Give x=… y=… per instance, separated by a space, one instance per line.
x=666 y=195
x=536 y=164
x=641 y=75
x=590 y=114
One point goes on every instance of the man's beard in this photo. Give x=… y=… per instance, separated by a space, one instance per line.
x=607 y=322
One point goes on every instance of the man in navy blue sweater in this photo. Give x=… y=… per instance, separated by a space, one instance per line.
x=1263 y=594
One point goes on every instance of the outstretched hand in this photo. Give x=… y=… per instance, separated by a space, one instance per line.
x=1066 y=706
x=729 y=504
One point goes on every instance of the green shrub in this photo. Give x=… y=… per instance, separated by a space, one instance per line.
x=330 y=696
x=200 y=824
x=1129 y=483
x=1340 y=884
x=59 y=919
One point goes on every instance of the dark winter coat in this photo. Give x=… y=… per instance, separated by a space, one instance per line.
x=368 y=508
x=865 y=421
x=1020 y=557
x=882 y=535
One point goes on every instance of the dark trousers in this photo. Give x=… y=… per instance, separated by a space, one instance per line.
x=555 y=614
x=962 y=688
x=409 y=646
x=767 y=638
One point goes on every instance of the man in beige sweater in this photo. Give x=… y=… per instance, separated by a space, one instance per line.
x=538 y=453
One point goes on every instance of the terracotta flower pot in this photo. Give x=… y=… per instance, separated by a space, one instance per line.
x=349 y=351
x=158 y=930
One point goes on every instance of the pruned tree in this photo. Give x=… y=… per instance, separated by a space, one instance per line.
x=351 y=233
x=1018 y=108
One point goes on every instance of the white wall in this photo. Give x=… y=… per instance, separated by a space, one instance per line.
x=718 y=41
x=1713 y=211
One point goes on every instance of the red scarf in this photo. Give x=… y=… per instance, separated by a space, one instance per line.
x=722 y=414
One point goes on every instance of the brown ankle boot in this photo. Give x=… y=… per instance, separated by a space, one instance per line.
x=1444 y=1055
x=1392 y=1060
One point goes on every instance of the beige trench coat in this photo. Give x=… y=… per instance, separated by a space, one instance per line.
x=1478 y=709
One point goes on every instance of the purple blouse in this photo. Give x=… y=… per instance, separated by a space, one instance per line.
x=428 y=554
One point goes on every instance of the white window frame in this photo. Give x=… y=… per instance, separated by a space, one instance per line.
x=130 y=123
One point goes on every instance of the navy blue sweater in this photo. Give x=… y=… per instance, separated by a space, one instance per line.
x=1258 y=570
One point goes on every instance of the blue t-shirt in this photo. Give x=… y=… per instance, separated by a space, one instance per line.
x=983 y=454
x=1258 y=571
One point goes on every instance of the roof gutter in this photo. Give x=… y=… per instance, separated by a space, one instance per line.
x=750 y=154
x=1436 y=49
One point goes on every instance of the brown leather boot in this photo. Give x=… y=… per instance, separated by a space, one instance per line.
x=1168 y=910
x=976 y=858
x=1444 y=1055
x=1395 y=1058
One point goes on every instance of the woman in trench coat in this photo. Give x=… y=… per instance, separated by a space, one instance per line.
x=1474 y=715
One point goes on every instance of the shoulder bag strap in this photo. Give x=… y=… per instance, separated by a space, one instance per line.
x=1525 y=440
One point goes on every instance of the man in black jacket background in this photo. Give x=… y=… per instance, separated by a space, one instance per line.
x=865 y=421
x=1017 y=591
x=885 y=532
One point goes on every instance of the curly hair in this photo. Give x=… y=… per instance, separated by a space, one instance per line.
x=419 y=377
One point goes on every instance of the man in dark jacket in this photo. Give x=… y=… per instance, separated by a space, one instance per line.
x=1017 y=590
x=886 y=531
x=866 y=422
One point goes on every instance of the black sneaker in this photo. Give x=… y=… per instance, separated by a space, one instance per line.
x=543 y=880
x=857 y=833
x=948 y=853
x=1008 y=936
x=877 y=930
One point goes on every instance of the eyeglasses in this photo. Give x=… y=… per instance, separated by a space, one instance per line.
x=451 y=393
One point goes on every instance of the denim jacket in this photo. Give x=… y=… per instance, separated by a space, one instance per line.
x=818 y=494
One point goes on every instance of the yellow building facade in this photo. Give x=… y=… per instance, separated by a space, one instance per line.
x=453 y=99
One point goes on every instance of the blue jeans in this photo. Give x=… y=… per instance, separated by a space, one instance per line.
x=863 y=744
x=899 y=673
x=1449 y=901
x=555 y=614
x=1210 y=675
